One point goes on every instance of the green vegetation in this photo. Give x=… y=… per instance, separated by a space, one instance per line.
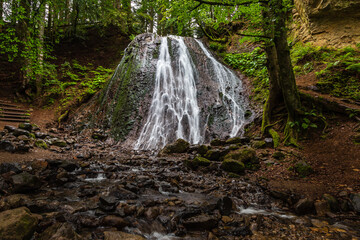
x=74 y=83
x=252 y=64
x=337 y=70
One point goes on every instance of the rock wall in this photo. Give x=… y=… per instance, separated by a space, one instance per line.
x=328 y=22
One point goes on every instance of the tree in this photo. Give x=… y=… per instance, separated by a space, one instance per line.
x=268 y=19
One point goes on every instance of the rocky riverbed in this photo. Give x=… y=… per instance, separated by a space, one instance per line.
x=97 y=190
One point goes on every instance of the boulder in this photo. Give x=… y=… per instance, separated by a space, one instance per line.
x=202 y=150
x=322 y=208
x=58 y=142
x=60 y=231
x=26 y=126
x=17 y=224
x=199 y=161
x=237 y=140
x=245 y=155
x=115 y=235
x=355 y=201
x=217 y=142
x=216 y=154
x=41 y=144
x=179 y=146
x=258 y=144
x=10 y=128
x=303 y=169
x=7 y=146
x=234 y=166
x=332 y=201
x=114 y=221
x=10 y=167
x=18 y=132
x=201 y=222
x=25 y=182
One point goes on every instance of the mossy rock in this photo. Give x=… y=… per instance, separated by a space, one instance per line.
x=333 y=203
x=41 y=144
x=234 y=166
x=26 y=126
x=179 y=146
x=17 y=224
x=198 y=162
x=216 y=154
x=245 y=155
x=278 y=155
x=59 y=143
x=303 y=169
x=202 y=150
x=258 y=144
x=235 y=140
x=217 y=142
x=276 y=137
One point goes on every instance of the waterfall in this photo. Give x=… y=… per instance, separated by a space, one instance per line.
x=230 y=86
x=174 y=111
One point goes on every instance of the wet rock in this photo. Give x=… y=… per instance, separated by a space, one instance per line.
x=245 y=155
x=355 y=201
x=58 y=143
x=10 y=128
x=179 y=146
x=303 y=169
x=22 y=148
x=152 y=213
x=108 y=203
x=41 y=135
x=322 y=208
x=167 y=187
x=114 y=221
x=26 y=126
x=17 y=224
x=60 y=231
x=234 y=166
x=7 y=146
x=216 y=154
x=68 y=166
x=304 y=206
x=25 y=182
x=123 y=194
x=115 y=235
x=333 y=203
x=10 y=167
x=217 y=142
x=201 y=222
x=198 y=162
x=14 y=201
x=39 y=165
x=225 y=205
x=18 y=132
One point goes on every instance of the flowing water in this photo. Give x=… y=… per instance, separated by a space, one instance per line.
x=174 y=112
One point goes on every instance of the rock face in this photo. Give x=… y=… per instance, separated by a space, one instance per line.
x=128 y=106
x=17 y=224
x=330 y=22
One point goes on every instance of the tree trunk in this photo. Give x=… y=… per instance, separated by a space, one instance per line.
x=23 y=35
x=1 y=9
x=75 y=20
x=41 y=23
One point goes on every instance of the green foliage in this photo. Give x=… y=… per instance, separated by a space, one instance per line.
x=252 y=64
x=340 y=68
x=74 y=83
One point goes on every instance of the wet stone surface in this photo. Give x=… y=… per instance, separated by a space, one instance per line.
x=150 y=197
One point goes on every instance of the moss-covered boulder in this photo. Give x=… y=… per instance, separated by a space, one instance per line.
x=303 y=169
x=236 y=140
x=216 y=154
x=245 y=155
x=17 y=224
x=234 y=166
x=179 y=146
x=198 y=162
x=202 y=149
x=258 y=144
x=217 y=142
x=41 y=144
x=58 y=143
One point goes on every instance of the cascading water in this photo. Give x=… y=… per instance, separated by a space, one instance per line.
x=174 y=112
x=230 y=86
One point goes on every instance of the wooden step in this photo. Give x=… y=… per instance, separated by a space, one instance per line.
x=14 y=114
x=5 y=104
x=4 y=109
x=4 y=116
x=14 y=120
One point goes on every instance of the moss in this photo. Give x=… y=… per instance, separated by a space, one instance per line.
x=216 y=154
x=275 y=136
x=234 y=140
x=217 y=142
x=202 y=149
x=179 y=146
x=258 y=144
x=278 y=155
x=31 y=135
x=41 y=144
x=245 y=155
x=59 y=143
x=198 y=162
x=303 y=169
x=234 y=166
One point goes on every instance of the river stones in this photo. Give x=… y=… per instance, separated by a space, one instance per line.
x=17 y=224
x=201 y=222
x=115 y=235
x=10 y=167
x=25 y=182
x=60 y=231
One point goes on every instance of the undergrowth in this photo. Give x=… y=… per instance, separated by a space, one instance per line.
x=338 y=69
x=73 y=84
x=253 y=65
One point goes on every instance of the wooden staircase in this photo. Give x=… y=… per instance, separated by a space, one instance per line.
x=12 y=113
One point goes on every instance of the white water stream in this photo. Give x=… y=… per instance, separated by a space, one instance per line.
x=174 y=112
x=174 y=108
